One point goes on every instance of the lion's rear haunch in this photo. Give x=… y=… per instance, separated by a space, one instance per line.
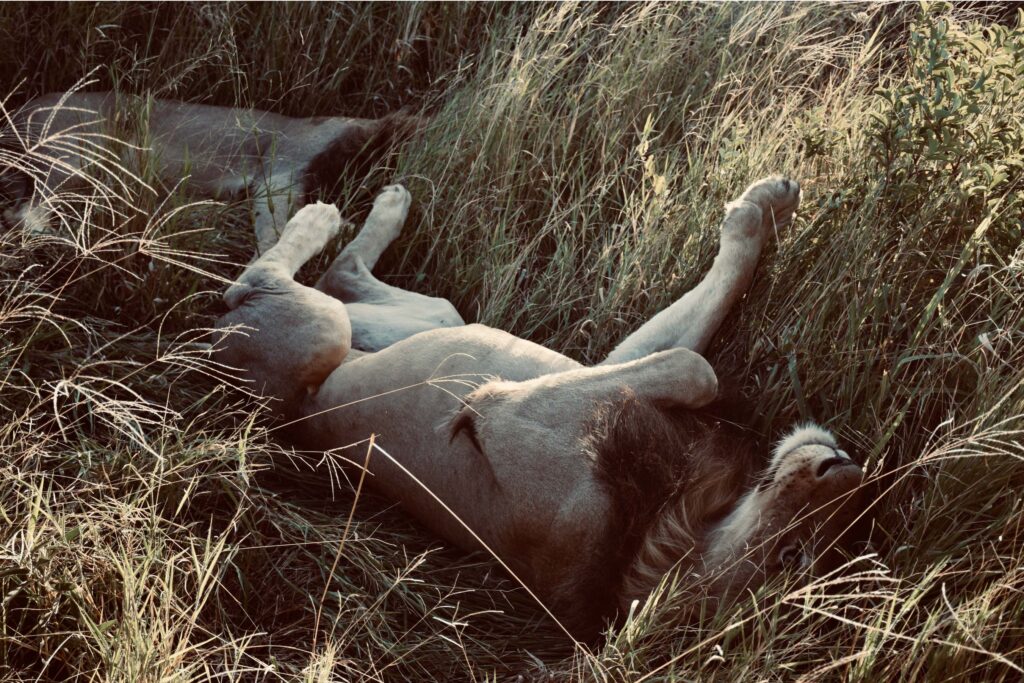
x=651 y=459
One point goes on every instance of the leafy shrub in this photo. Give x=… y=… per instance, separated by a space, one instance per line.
x=955 y=122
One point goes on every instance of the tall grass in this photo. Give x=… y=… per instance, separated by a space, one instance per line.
x=569 y=186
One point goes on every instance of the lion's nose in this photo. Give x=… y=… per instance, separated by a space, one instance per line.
x=834 y=462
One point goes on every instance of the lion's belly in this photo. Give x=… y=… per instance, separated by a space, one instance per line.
x=405 y=396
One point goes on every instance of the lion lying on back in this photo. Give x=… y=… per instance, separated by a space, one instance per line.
x=588 y=483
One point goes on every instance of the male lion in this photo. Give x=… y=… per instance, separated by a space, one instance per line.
x=277 y=160
x=589 y=483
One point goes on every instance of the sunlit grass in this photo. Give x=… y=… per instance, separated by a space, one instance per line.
x=569 y=185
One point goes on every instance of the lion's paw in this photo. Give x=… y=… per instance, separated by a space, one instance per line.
x=393 y=198
x=319 y=222
x=776 y=197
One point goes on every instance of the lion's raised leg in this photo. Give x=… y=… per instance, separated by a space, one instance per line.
x=381 y=314
x=350 y=276
x=285 y=337
x=691 y=321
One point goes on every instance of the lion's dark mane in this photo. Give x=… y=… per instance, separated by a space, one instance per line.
x=646 y=457
x=355 y=152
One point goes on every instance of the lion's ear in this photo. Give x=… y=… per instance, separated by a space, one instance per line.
x=464 y=424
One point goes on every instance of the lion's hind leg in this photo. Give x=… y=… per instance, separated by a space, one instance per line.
x=284 y=337
x=380 y=313
x=692 y=320
x=349 y=277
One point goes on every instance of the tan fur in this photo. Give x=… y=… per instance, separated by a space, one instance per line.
x=589 y=482
x=224 y=151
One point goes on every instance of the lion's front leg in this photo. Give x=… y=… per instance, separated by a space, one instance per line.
x=691 y=321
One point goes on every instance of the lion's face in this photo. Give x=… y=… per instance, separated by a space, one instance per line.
x=790 y=522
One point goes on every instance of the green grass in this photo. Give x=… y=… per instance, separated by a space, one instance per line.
x=569 y=186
